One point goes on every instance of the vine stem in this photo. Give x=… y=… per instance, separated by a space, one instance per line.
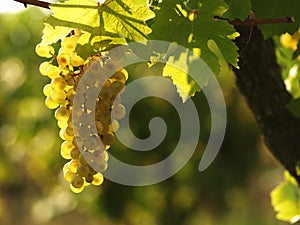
x=236 y=22
x=35 y=3
x=253 y=21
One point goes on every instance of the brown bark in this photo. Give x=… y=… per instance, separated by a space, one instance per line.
x=259 y=80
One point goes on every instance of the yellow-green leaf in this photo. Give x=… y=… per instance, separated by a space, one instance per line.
x=111 y=18
x=186 y=85
x=285 y=200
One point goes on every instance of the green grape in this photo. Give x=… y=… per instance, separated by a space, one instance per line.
x=76 y=190
x=66 y=167
x=50 y=103
x=100 y=127
x=89 y=178
x=65 y=154
x=85 y=182
x=44 y=51
x=108 y=139
x=106 y=93
x=61 y=91
x=116 y=87
x=66 y=148
x=63 y=59
x=47 y=90
x=82 y=160
x=70 y=94
x=75 y=153
x=120 y=75
x=115 y=126
x=62 y=114
x=100 y=156
x=68 y=175
x=69 y=43
x=73 y=165
x=102 y=105
x=65 y=136
x=61 y=134
x=69 y=129
x=53 y=72
x=118 y=111
x=77 y=181
x=98 y=179
x=43 y=68
x=83 y=170
x=76 y=60
x=62 y=124
x=58 y=96
x=58 y=84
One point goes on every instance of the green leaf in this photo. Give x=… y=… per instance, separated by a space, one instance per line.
x=238 y=9
x=285 y=199
x=186 y=86
x=115 y=18
x=277 y=9
x=174 y=23
x=53 y=34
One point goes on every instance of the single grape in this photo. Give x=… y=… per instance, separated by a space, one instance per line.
x=69 y=129
x=65 y=149
x=108 y=139
x=73 y=165
x=47 y=90
x=50 y=103
x=98 y=179
x=82 y=160
x=116 y=87
x=115 y=125
x=89 y=178
x=62 y=124
x=68 y=44
x=63 y=59
x=62 y=114
x=106 y=93
x=75 y=153
x=68 y=175
x=58 y=96
x=76 y=190
x=65 y=136
x=65 y=154
x=53 y=72
x=77 y=181
x=121 y=76
x=58 y=84
x=118 y=111
x=76 y=60
x=44 y=51
x=43 y=68
x=83 y=170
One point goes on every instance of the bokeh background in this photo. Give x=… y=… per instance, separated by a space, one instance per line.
x=234 y=190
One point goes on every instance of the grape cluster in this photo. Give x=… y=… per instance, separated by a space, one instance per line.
x=88 y=157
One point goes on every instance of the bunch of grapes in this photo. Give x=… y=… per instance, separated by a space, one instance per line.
x=87 y=159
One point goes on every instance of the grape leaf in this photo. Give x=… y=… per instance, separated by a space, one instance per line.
x=193 y=25
x=285 y=200
x=53 y=34
x=238 y=9
x=277 y=9
x=115 y=18
x=185 y=85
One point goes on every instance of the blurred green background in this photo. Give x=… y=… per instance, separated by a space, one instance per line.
x=234 y=190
